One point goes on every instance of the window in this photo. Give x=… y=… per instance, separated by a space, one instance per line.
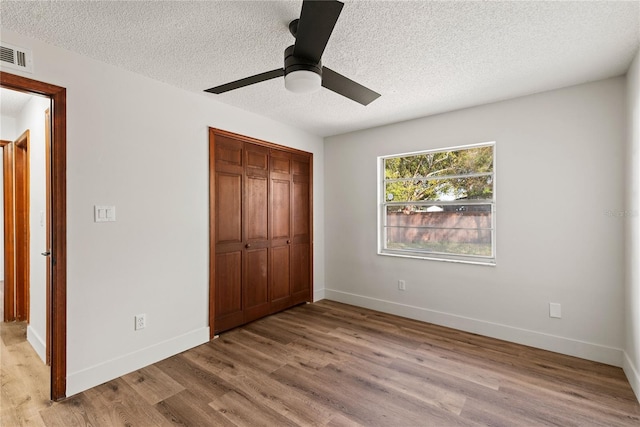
x=439 y=204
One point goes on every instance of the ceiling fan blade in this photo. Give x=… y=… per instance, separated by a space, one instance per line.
x=315 y=26
x=247 y=81
x=347 y=87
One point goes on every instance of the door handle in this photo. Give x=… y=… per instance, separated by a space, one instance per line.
x=248 y=245
x=47 y=253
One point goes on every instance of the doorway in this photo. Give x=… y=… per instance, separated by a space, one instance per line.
x=56 y=252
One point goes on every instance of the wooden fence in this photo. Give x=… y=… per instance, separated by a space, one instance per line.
x=453 y=227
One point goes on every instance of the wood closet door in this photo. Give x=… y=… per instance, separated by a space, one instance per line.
x=290 y=257
x=280 y=230
x=255 y=285
x=261 y=238
x=242 y=239
x=229 y=245
x=301 y=250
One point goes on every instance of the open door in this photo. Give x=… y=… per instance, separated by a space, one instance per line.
x=56 y=250
x=21 y=251
x=16 y=228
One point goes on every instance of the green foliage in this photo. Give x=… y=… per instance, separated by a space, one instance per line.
x=440 y=176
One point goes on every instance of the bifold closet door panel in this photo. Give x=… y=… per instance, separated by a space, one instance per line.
x=280 y=230
x=256 y=232
x=301 y=230
x=229 y=245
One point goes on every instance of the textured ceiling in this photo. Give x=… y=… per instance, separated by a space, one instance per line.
x=423 y=57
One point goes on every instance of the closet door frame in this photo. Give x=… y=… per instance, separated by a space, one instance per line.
x=213 y=132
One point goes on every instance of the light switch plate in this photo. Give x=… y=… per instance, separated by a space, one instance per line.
x=555 y=310
x=104 y=213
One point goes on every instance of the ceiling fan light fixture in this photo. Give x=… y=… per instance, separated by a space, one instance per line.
x=302 y=81
x=303 y=71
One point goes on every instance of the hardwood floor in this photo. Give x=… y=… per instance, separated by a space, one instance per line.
x=24 y=378
x=336 y=365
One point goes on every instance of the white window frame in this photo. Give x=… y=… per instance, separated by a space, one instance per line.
x=428 y=255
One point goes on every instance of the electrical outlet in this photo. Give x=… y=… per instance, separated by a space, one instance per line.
x=141 y=321
x=555 y=310
x=402 y=285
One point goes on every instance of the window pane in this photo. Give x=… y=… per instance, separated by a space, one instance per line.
x=454 y=242
x=433 y=215
x=451 y=229
x=446 y=189
x=439 y=204
x=458 y=162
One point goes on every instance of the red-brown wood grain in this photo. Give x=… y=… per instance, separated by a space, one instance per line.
x=260 y=197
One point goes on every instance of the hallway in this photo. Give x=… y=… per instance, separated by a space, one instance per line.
x=24 y=378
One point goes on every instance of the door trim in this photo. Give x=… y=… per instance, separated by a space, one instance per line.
x=9 y=227
x=47 y=178
x=58 y=308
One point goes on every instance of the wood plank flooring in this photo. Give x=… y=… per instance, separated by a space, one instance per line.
x=330 y=364
x=24 y=378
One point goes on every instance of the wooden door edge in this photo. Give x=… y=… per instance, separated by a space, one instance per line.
x=47 y=177
x=212 y=234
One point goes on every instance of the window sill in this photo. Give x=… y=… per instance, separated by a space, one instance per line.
x=487 y=262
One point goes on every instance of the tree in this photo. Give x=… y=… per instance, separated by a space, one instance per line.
x=445 y=175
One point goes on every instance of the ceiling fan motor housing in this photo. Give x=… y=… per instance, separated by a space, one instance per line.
x=303 y=71
x=296 y=63
x=301 y=75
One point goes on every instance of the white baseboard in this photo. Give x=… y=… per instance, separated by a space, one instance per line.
x=37 y=343
x=632 y=374
x=90 y=377
x=318 y=294
x=568 y=346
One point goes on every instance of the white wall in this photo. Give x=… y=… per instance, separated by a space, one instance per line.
x=142 y=146
x=8 y=128
x=32 y=118
x=559 y=184
x=631 y=363
x=7 y=133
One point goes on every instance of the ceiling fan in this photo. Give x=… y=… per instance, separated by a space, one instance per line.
x=303 y=71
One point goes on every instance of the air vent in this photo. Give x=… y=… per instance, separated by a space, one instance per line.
x=15 y=57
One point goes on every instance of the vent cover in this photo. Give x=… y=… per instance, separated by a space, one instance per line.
x=15 y=57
